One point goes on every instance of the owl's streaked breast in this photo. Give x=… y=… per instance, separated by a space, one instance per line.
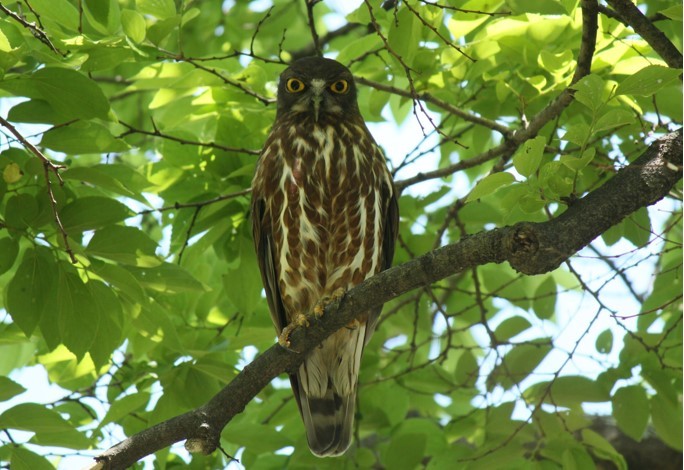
x=325 y=207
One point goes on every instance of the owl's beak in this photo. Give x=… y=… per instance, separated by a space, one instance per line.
x=316 y=102
x=317 y=88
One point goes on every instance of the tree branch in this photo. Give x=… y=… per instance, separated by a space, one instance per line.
x=531 y=248
x=630 y=14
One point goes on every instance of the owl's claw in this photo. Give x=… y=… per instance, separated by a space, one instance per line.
x=319 y=309
x=284 y=337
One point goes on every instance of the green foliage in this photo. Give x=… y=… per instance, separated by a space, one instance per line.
x=155 y=111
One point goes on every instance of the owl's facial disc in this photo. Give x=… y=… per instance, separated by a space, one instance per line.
x=315 y=97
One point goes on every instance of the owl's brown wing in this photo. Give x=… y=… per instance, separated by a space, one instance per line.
x=265 y=251
x=391 y=229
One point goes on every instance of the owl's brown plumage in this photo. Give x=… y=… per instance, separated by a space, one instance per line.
x=325 y=218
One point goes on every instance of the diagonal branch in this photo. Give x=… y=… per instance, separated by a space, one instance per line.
x=630 y=14
x=531 y=248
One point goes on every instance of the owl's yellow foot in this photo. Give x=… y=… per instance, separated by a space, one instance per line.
x=319 y=309
x=284 y=337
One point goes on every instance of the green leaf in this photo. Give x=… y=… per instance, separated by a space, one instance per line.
x=589 y=92
x=547 y=7
x=127 y=245
x=92 y=212
x=519 y=363
x=256 y=437
x=12 y=173
x=243 y=284
x=527 y=159
x=114 y=177
x=133 y=25
x=71 y=93
x=21 y=211
x=667 y=420
x=34 y=111
x=576 y=164
x=613 y=118
x=631 y=410
x=404 y=451
x=544 y=302
x=604 y=342
x=577 y=133
x=9 y=249
x=511 y=327
x=77 y=317
x=9 y=388
x=404 y=35
x=62 y=12
x=467 y=369
x=27 y=292
x=124 y=406
x=648 y=80
x=637 y=227
x=674 y=12
x=121 y=279
x=161 y=9
x=572 y=390
x=167 y=278
x=489 y=184
x=577 y=458
x=104 y=15
x=83 y=137
x=24 y=459
x=48 y=425
x=108 y=310
x=602 y=448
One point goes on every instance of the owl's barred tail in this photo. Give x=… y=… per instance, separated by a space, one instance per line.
x=325 y=386
x=328 y=422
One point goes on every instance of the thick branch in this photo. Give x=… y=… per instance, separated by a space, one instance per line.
x=630 y=14
x=530 y=248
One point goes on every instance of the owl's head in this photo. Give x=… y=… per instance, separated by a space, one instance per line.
x=322 y=88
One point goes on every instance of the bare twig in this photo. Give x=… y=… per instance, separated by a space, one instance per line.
x=310 y=4
x=465 y=10
x=188 y=234
x=428 y=98
x=157 y=133
x=198 y=204
x=49 y=166
x=35 y=30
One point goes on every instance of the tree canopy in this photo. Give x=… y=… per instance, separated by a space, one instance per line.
x=537 y=281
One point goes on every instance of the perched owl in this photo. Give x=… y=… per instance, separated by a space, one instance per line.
x=324 y=214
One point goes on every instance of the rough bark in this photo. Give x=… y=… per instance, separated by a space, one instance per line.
x=531 y=248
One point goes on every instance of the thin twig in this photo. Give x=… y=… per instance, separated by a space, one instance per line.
x=49 y=166
x=188 y=234
x=428 y=98
x=310 y=4
x=184 y=205
x=157 y=133
x=35 y=30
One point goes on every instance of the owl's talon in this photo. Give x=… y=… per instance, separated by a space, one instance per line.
x=319 y=309
x=284 y=337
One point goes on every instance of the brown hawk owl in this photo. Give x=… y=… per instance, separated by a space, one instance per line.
x=324 y=214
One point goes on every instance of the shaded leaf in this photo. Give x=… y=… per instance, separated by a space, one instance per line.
x=631 y=410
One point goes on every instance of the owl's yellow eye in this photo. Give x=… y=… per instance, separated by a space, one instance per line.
x=294 y=85
x=340 y=86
